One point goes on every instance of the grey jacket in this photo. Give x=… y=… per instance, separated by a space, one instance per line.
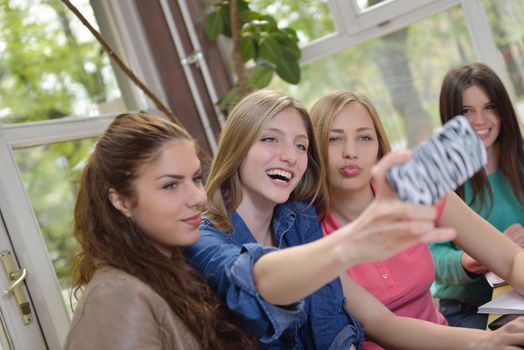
x=118 y=311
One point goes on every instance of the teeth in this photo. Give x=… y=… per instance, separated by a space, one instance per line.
x=483 y=131
x=285 y=174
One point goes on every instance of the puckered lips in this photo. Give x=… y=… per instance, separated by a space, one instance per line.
x=193 y=221
x=351 y=171
x=280 y=176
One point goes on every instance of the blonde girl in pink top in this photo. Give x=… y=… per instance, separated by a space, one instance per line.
x=352 y=140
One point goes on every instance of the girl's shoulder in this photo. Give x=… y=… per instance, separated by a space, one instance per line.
x=111 y=280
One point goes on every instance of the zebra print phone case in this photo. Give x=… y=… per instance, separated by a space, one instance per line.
x=445 y=161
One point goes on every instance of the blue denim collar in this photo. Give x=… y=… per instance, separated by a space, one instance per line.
x=283 y=219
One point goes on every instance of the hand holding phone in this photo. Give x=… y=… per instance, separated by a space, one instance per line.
x=445 y=161
x=502 y=320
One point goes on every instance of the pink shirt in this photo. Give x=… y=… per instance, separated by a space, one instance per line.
x=401 y=282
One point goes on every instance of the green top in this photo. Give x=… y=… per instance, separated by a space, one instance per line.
x=451 y=280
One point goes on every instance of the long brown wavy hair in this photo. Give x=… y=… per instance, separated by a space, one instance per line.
x=246 y=121
x=109 y=238
x=511 y=158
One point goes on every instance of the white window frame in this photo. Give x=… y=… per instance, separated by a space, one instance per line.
x=354 y=27
x=25 y=239
x=21 y=222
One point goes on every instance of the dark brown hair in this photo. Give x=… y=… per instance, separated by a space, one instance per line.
x=511 y=159
x=109 y=238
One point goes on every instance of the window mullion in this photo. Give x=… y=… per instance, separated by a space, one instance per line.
x=345 y=15
x=483 y=40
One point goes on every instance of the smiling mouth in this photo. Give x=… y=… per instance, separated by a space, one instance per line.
x=482 y=132
x=280 y=175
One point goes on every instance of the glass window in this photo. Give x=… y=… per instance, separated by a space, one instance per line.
x=310 y=18
x=366 y=4
x=505 y=18
x=51 y=66
x=50 y=174
x=400 y=72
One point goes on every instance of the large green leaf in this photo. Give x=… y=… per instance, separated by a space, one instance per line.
x=247 y=47
x=248 y=16
x=214 y=25
x=270 y=20
x=261 y=77
x=242 y=5
x=291 y=33
x=230 y=99
x=266 y=63
x=270 y=50
x=289 y=47
x=289 y=69
x=226 y=21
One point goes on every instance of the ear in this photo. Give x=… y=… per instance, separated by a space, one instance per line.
x=120 y=202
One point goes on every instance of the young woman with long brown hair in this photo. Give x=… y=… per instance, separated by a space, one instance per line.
x=496 y=193
x=138 y=206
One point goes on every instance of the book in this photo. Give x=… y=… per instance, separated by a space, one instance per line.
x=508 y=303
x=494 y=280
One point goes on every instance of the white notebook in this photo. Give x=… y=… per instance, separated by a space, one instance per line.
x=494 y=280
x=508 y=303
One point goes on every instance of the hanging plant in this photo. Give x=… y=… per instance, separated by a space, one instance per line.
x=258 y=42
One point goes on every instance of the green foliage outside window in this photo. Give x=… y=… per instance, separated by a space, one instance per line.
x=262 y=42
x=311 y=19
x=50 y=68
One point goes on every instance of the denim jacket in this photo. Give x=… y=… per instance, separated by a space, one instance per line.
x=320 y=321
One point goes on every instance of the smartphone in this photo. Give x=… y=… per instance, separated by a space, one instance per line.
x=439 y=165
x=502 y=320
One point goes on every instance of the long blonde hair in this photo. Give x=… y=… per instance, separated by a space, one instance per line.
x=324 y=112
x=249 y=117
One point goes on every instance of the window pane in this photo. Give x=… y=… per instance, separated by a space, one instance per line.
x=51 y=65
x=401 y=73
x=366 y=4
x=505 y=18
x=310 y=18
x=50 y=174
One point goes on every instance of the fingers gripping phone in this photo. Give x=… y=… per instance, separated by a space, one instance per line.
x=445 y=161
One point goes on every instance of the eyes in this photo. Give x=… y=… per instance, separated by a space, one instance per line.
x=197 y=179
x=469 y=110
x=335 y=139
x=302 y=146
x=338 y=139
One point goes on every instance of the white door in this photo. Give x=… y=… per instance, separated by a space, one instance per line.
x=36 y=315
